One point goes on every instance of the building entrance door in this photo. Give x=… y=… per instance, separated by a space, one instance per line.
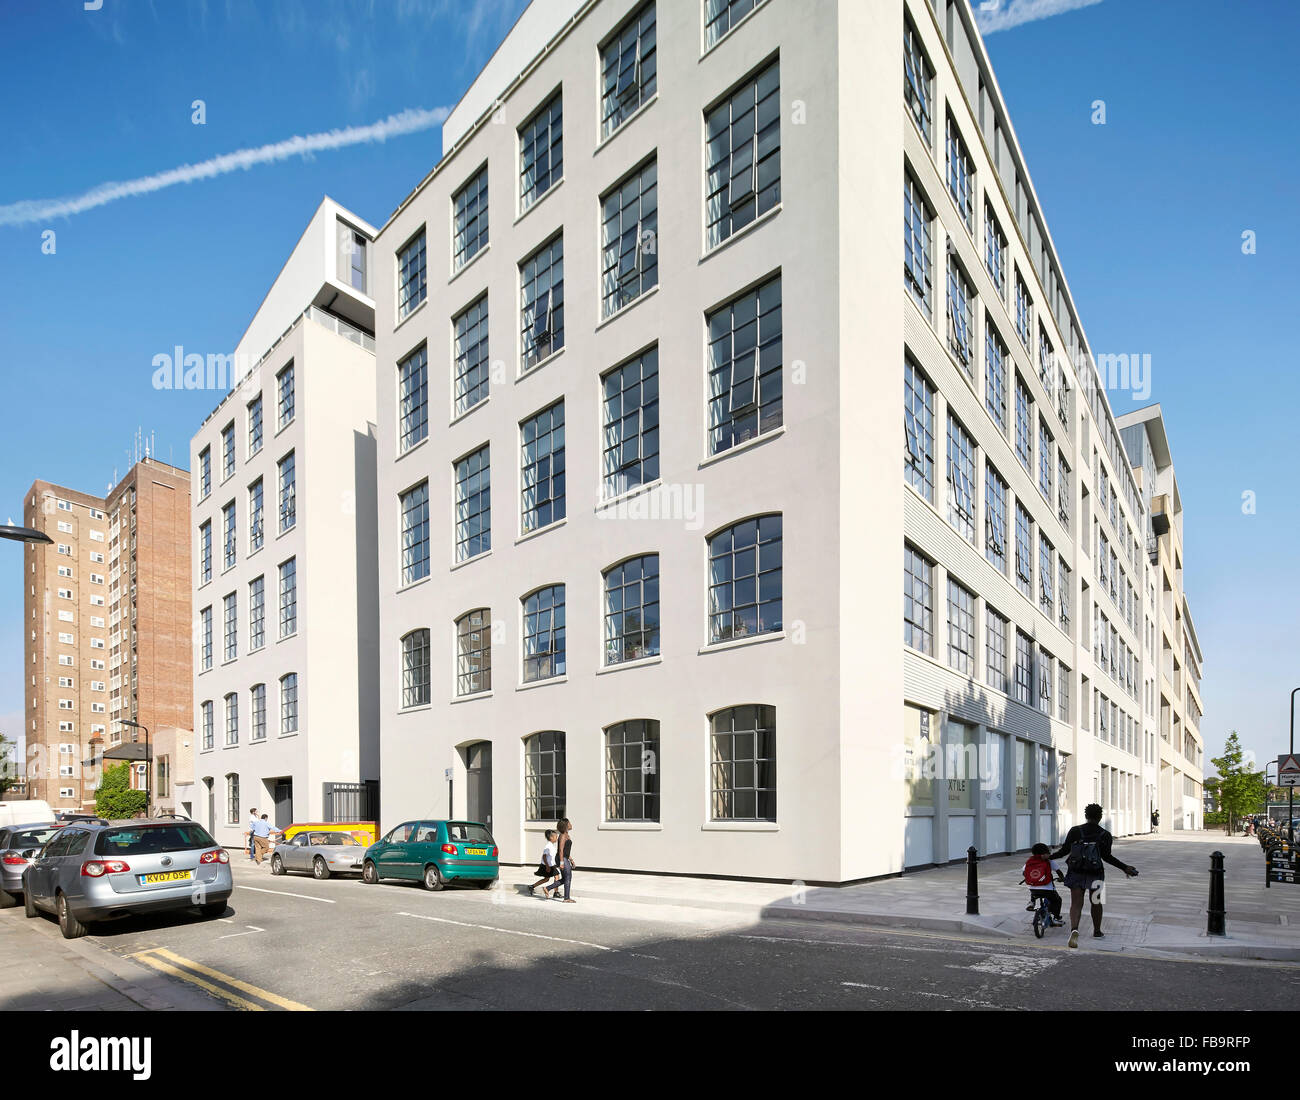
x=478 y=782
x=212 y=806
x=283 y=803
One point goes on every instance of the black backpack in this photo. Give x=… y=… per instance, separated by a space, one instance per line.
x=1085 y=855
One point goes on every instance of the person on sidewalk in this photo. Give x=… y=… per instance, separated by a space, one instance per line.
x=1038 y=877
x=248 y=833
x=1155 y=820
x=546 y=869
x=261 y=838
x=564 y=857
x=1087 y=848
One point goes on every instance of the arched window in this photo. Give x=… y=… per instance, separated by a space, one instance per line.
x=743 y=764
x=544 y=776
x=632 y=610
x=544 y=633
x=415 y=669
x=632 y=771
x=474 y=652
x=745 y=579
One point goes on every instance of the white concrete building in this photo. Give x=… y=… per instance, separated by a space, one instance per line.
x=652 y=295
x=284 y=549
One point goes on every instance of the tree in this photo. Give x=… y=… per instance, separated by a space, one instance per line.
x=8 y=776
x=1240 y=790
x=115 y=798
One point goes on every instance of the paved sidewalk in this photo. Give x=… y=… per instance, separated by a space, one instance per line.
x=44 y=972
x=1162 y=910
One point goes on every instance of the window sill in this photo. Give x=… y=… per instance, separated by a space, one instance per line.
x=469 y=263
x=472 y=696
x=458 y=417
x=287 y=530
x=627 y=307
x=563 y=678
x=285 y=426
x=630 y=826
x=286 y=637
x=402 y=589
x=540 y=199
x=603 y=142
x=738 y=448
x=285 y=736
x=528 y=372
x=469 y=561
x=254 y=550
x=745 y=231
x=415 y=709
x=228 y=662
x=411 y=449
x=640 y=662
x=542 y=530
x=629 y=494
x=740 y=643
x=740 y=827
x=402 y=320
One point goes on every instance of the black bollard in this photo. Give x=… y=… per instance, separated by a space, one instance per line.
x=972 y=883
x=1216 y=923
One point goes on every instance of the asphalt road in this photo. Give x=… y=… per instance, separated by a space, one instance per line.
x=292 y=942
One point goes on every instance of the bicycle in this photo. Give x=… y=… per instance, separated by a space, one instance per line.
x=1042 y=914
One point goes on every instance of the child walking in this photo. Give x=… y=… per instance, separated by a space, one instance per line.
x=546 y=869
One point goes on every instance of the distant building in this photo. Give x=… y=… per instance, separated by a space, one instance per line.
x=284 y=578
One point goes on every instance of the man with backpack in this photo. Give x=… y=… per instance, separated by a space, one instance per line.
x=1087 y=851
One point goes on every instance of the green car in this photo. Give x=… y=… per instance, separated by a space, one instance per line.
x=435 y=852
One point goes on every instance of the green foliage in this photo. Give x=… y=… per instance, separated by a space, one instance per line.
x=115 y=797
x=1216 y=817
x=1240 y=790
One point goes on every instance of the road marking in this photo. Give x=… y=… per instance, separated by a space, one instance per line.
x=287 y=894
x=1011 y=966
x=215 y=990
x=252 y=928
x=510 y=931
x=151 y=958
x=922 y=993
x=864 y=946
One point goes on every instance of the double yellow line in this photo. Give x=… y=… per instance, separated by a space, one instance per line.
x=220 y=985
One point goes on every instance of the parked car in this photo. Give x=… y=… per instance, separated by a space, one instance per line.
x=102 y=870
x=435 y=852
x=321 y=853
x=18 y=845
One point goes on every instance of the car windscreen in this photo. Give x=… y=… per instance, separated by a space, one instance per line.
x=31 y=838
x=145 y=839
x=332 y=838
x=466 y=831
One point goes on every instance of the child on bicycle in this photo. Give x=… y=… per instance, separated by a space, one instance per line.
x=1038 y=873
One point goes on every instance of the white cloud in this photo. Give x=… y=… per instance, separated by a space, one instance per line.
x=1000 y=15
x=27 y=211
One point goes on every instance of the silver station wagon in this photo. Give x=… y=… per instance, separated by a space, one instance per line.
x=96 y=871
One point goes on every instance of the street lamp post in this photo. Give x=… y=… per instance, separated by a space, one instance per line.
x=148 y=758
x=1290 y=791
x=23 y=534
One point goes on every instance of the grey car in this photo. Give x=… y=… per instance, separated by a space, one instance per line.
x=18 y=844
x=102 y=870
x=323 y=853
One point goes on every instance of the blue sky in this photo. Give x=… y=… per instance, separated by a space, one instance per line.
x=1147 y=212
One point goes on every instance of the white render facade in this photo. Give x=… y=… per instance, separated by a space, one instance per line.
x=286 y=610
x=674 y=341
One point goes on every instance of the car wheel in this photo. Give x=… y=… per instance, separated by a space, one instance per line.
x=213 y=909
x=277 y=865
x=8 y=900
x=319 y=869
x=486 y=884
x=433 y=879
x=68 y=924
x=369 y=874
x=29 y=904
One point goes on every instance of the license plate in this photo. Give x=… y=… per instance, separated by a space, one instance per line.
x=165 y=876
x=476 y=851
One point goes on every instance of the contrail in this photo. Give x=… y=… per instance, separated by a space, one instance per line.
x=38 y=210
x=1001 y=15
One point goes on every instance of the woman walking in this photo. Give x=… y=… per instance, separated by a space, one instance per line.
x=564 y=857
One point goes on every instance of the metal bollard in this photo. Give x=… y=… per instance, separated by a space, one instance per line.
x=972 y=883
x=1216 y=922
